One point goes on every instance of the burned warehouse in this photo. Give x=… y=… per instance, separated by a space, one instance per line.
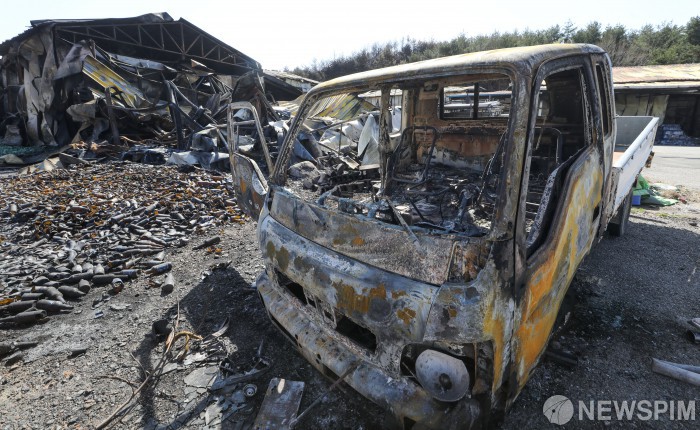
x=106 y=85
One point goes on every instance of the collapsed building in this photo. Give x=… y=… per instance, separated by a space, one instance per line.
x=125 y=85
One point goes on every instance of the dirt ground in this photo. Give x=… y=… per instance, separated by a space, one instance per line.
x=629 y=302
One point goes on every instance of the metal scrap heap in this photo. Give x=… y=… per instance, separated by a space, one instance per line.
x=66 y=231
x=145 y=86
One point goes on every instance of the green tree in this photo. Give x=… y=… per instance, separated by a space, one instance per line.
x=568 y=32
x=693 y=30
x=666 y=44
x=592 y=33
x=663 y=44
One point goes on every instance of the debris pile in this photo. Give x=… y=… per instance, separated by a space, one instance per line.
x=135 y=88
x=64 y=232
x=216 y=389
x=216 y=394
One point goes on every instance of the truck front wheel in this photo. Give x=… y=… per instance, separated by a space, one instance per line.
x=618 y=224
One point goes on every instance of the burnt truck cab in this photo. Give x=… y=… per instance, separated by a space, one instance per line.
x=434 y=242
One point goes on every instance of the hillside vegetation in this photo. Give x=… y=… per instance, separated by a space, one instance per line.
x=663 y=44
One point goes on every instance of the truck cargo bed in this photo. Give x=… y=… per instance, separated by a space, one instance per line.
x=633 y=144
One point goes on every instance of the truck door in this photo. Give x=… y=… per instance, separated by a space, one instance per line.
x=560 y=201
x=606 y=104
x=245 y=132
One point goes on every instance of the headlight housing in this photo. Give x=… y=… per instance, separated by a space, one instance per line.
x=446 y=377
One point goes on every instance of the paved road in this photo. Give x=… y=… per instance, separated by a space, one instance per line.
x=676 y=165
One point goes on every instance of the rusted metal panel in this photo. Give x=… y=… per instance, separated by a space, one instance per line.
x=391 y=306
x=525 y=59
x=379 y=244
x=552 y=268
x=250 y=184
x=251 y=187
x=327 y=352
x=233 y=129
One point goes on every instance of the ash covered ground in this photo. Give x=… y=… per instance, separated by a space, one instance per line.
x=629 y=302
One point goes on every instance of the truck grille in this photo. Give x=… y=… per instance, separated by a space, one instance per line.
x=343 y=325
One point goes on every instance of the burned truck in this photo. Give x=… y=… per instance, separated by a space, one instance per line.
x=423 y=222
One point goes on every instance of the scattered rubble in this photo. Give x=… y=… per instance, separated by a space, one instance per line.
x=65 y=232
x=681 y=372
x=295 y=421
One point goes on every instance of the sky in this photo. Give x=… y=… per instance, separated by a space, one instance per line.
x=281 y=34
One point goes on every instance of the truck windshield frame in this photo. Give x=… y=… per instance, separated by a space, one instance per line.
x=437 y=140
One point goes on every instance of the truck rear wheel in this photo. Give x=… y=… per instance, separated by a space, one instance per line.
x=618 y=224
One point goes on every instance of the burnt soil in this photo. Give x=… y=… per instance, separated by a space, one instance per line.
x=629 y=302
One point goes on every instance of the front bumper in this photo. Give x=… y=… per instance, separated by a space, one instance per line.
x=407 y=400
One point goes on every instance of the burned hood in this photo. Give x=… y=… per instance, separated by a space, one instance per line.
x=386 y=246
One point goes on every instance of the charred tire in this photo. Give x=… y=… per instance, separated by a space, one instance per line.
x=618 y=224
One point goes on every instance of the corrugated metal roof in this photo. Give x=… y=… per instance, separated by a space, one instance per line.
x=228 y=59
x=37 y=25
x=26 y=34
x=341 y=106
x=671 y=76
